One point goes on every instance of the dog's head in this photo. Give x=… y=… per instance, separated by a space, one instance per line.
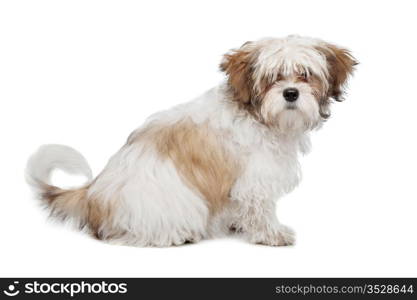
x=288 y=83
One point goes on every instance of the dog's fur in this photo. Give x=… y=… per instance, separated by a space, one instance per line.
x=215 y=164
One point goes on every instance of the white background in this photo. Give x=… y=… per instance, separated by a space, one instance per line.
x=86 y=73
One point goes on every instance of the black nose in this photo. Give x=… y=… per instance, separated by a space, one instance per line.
x=290 y=94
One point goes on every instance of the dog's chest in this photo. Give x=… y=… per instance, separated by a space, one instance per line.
x=269 y=171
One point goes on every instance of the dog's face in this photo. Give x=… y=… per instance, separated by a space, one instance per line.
x=288 y=83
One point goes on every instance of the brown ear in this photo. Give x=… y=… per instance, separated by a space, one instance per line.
x=237 y=65
x=340 y=65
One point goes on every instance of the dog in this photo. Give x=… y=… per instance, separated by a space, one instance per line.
x=214 y=165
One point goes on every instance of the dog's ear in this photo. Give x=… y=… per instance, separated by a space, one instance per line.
x=237 y=65
x=341 y=65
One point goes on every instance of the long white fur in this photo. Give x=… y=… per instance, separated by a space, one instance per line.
x=50 y=157
x=156 y=208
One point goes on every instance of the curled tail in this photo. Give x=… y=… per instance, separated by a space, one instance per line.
x=64 y=203
x=50 y=157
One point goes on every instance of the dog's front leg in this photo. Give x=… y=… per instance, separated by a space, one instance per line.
x=262 y=226
x=258 y=222
x=253 y=198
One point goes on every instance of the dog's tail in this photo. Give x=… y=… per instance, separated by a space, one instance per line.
x=62 y=202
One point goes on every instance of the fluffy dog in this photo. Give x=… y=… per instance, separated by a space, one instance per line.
x=213 y=165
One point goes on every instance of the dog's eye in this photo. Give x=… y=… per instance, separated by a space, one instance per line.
x=303 y=76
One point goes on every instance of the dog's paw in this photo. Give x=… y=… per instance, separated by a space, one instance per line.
x=281 y=236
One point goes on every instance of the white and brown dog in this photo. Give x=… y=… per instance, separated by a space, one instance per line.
x=213 y=165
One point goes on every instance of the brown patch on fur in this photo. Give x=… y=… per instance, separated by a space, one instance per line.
x=88 y=211
x=199 y=157
x=340 y=64
x=97 y=215
x=65 y=203
x=238 y=67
